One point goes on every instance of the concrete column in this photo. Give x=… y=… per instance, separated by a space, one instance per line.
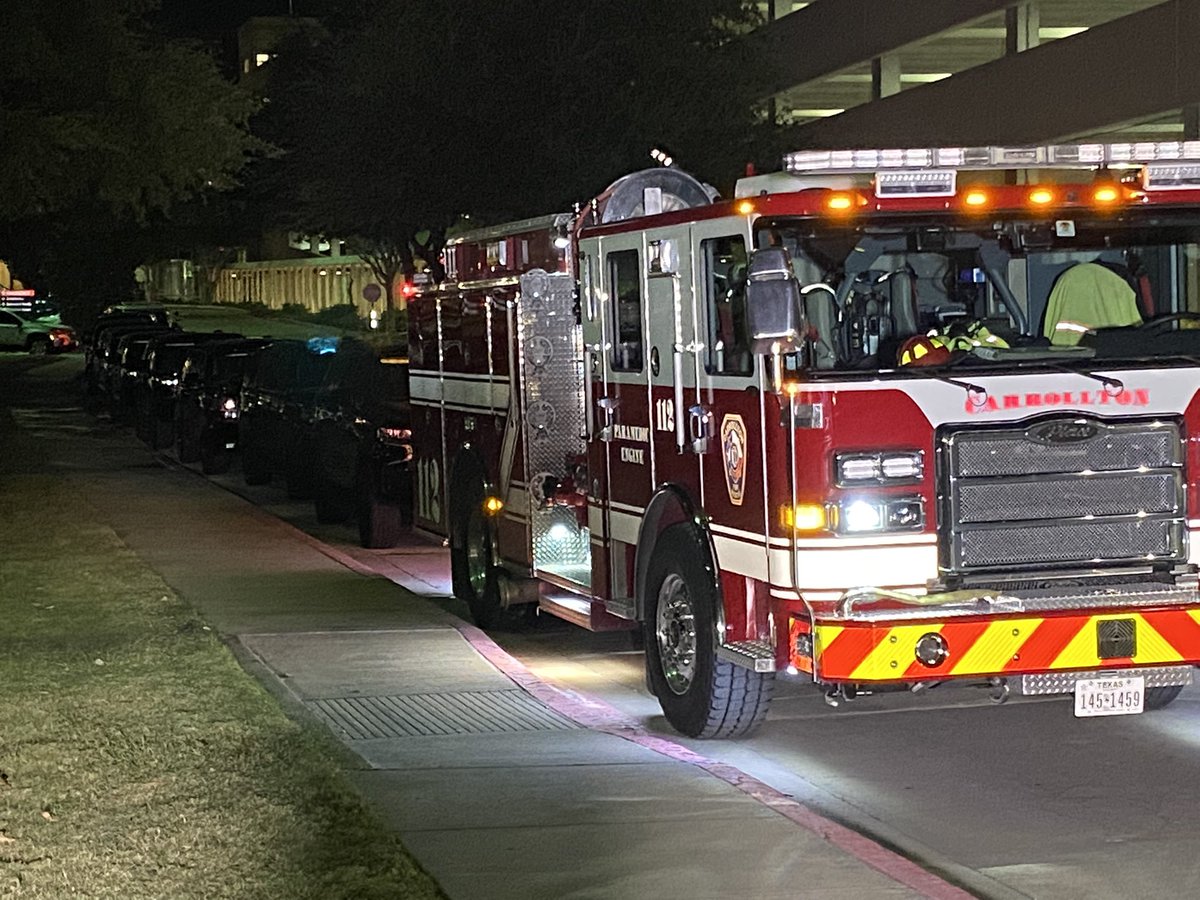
x=885 y=76
x=1021 y=24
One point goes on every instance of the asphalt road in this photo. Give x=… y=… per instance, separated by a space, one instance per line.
x=1012 y=800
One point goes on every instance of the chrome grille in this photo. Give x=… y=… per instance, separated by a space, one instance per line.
x=1063 y=492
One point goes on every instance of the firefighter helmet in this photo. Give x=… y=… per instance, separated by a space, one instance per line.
x=924 y=350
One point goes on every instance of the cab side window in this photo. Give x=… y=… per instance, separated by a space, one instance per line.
x=727 y=350
x=625 y=289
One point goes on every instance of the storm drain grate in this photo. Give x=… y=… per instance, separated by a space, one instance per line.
x=459 y=712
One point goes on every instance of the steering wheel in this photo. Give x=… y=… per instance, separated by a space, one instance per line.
x=1162 y=324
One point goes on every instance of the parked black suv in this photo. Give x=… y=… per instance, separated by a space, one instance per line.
x=276 y=402
x=207 y=401
x=362 y=443
x=154 y=393
x=150 y=317
x=121 y=374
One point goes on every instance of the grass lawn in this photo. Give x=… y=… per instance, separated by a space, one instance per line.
x=137 y=759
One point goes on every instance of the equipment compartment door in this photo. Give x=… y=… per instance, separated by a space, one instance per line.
x=552 y=383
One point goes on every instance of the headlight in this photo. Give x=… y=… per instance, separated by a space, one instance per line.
x=885 y=467
x=863 y=515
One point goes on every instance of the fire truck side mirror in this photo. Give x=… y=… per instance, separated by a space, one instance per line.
x=774 y=308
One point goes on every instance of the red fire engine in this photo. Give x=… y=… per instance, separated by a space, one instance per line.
x=884 y=420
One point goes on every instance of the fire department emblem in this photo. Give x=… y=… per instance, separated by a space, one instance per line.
x=733 y=452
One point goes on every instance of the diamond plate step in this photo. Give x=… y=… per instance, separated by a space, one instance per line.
x=418 y=715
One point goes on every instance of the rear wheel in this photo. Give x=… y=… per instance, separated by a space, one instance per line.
x=254 y=465
x=298 y=477
x=701 y=695
x=214 y=458
x=472 y=564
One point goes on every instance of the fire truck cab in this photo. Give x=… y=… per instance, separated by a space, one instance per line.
x=883 y=420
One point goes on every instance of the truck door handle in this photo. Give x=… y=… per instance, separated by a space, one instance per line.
x=608 y=409
x=700 y=427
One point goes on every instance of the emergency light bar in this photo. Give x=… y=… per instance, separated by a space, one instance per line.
x=1124 y=155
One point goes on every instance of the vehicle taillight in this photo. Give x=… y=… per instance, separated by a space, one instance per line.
x=394 y=435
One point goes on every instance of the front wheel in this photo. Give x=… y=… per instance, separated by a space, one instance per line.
x=701 y=695
x=187 y=443
x=39 y=346
x=1158 y=697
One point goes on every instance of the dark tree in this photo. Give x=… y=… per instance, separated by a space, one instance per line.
x=424 y=112
x=106 y=127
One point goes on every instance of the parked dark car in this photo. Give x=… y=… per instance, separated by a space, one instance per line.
x=106 y=351
x=143 y=317
x=121 y=375
x=363 y=443
x=154 y=390
x=207 y=401
x=276 y=406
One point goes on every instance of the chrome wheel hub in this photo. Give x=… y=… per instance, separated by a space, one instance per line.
x=675 y=631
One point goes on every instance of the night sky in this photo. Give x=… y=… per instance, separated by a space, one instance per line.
x=214 y=20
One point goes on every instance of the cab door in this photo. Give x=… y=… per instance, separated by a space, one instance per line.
x=617 y=360
x=733 y=480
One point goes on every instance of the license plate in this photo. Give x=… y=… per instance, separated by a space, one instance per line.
x=1110 y=696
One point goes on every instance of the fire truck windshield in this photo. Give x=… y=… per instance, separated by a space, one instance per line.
x=1119 y=287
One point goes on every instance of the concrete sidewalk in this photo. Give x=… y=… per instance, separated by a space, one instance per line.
x=502 y=786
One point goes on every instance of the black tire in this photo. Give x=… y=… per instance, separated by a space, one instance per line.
x=39 y=345
x=380 y=521
x=332 y=508
x=187 y=444
x=701 y=696
x=297 y=477
x=162 y=434
x=254 y=466
x=472 y=565
x=214 y=458
x=1158 y=697
x=143 y=424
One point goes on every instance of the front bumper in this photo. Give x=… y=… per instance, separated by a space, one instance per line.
x=1029 y=633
